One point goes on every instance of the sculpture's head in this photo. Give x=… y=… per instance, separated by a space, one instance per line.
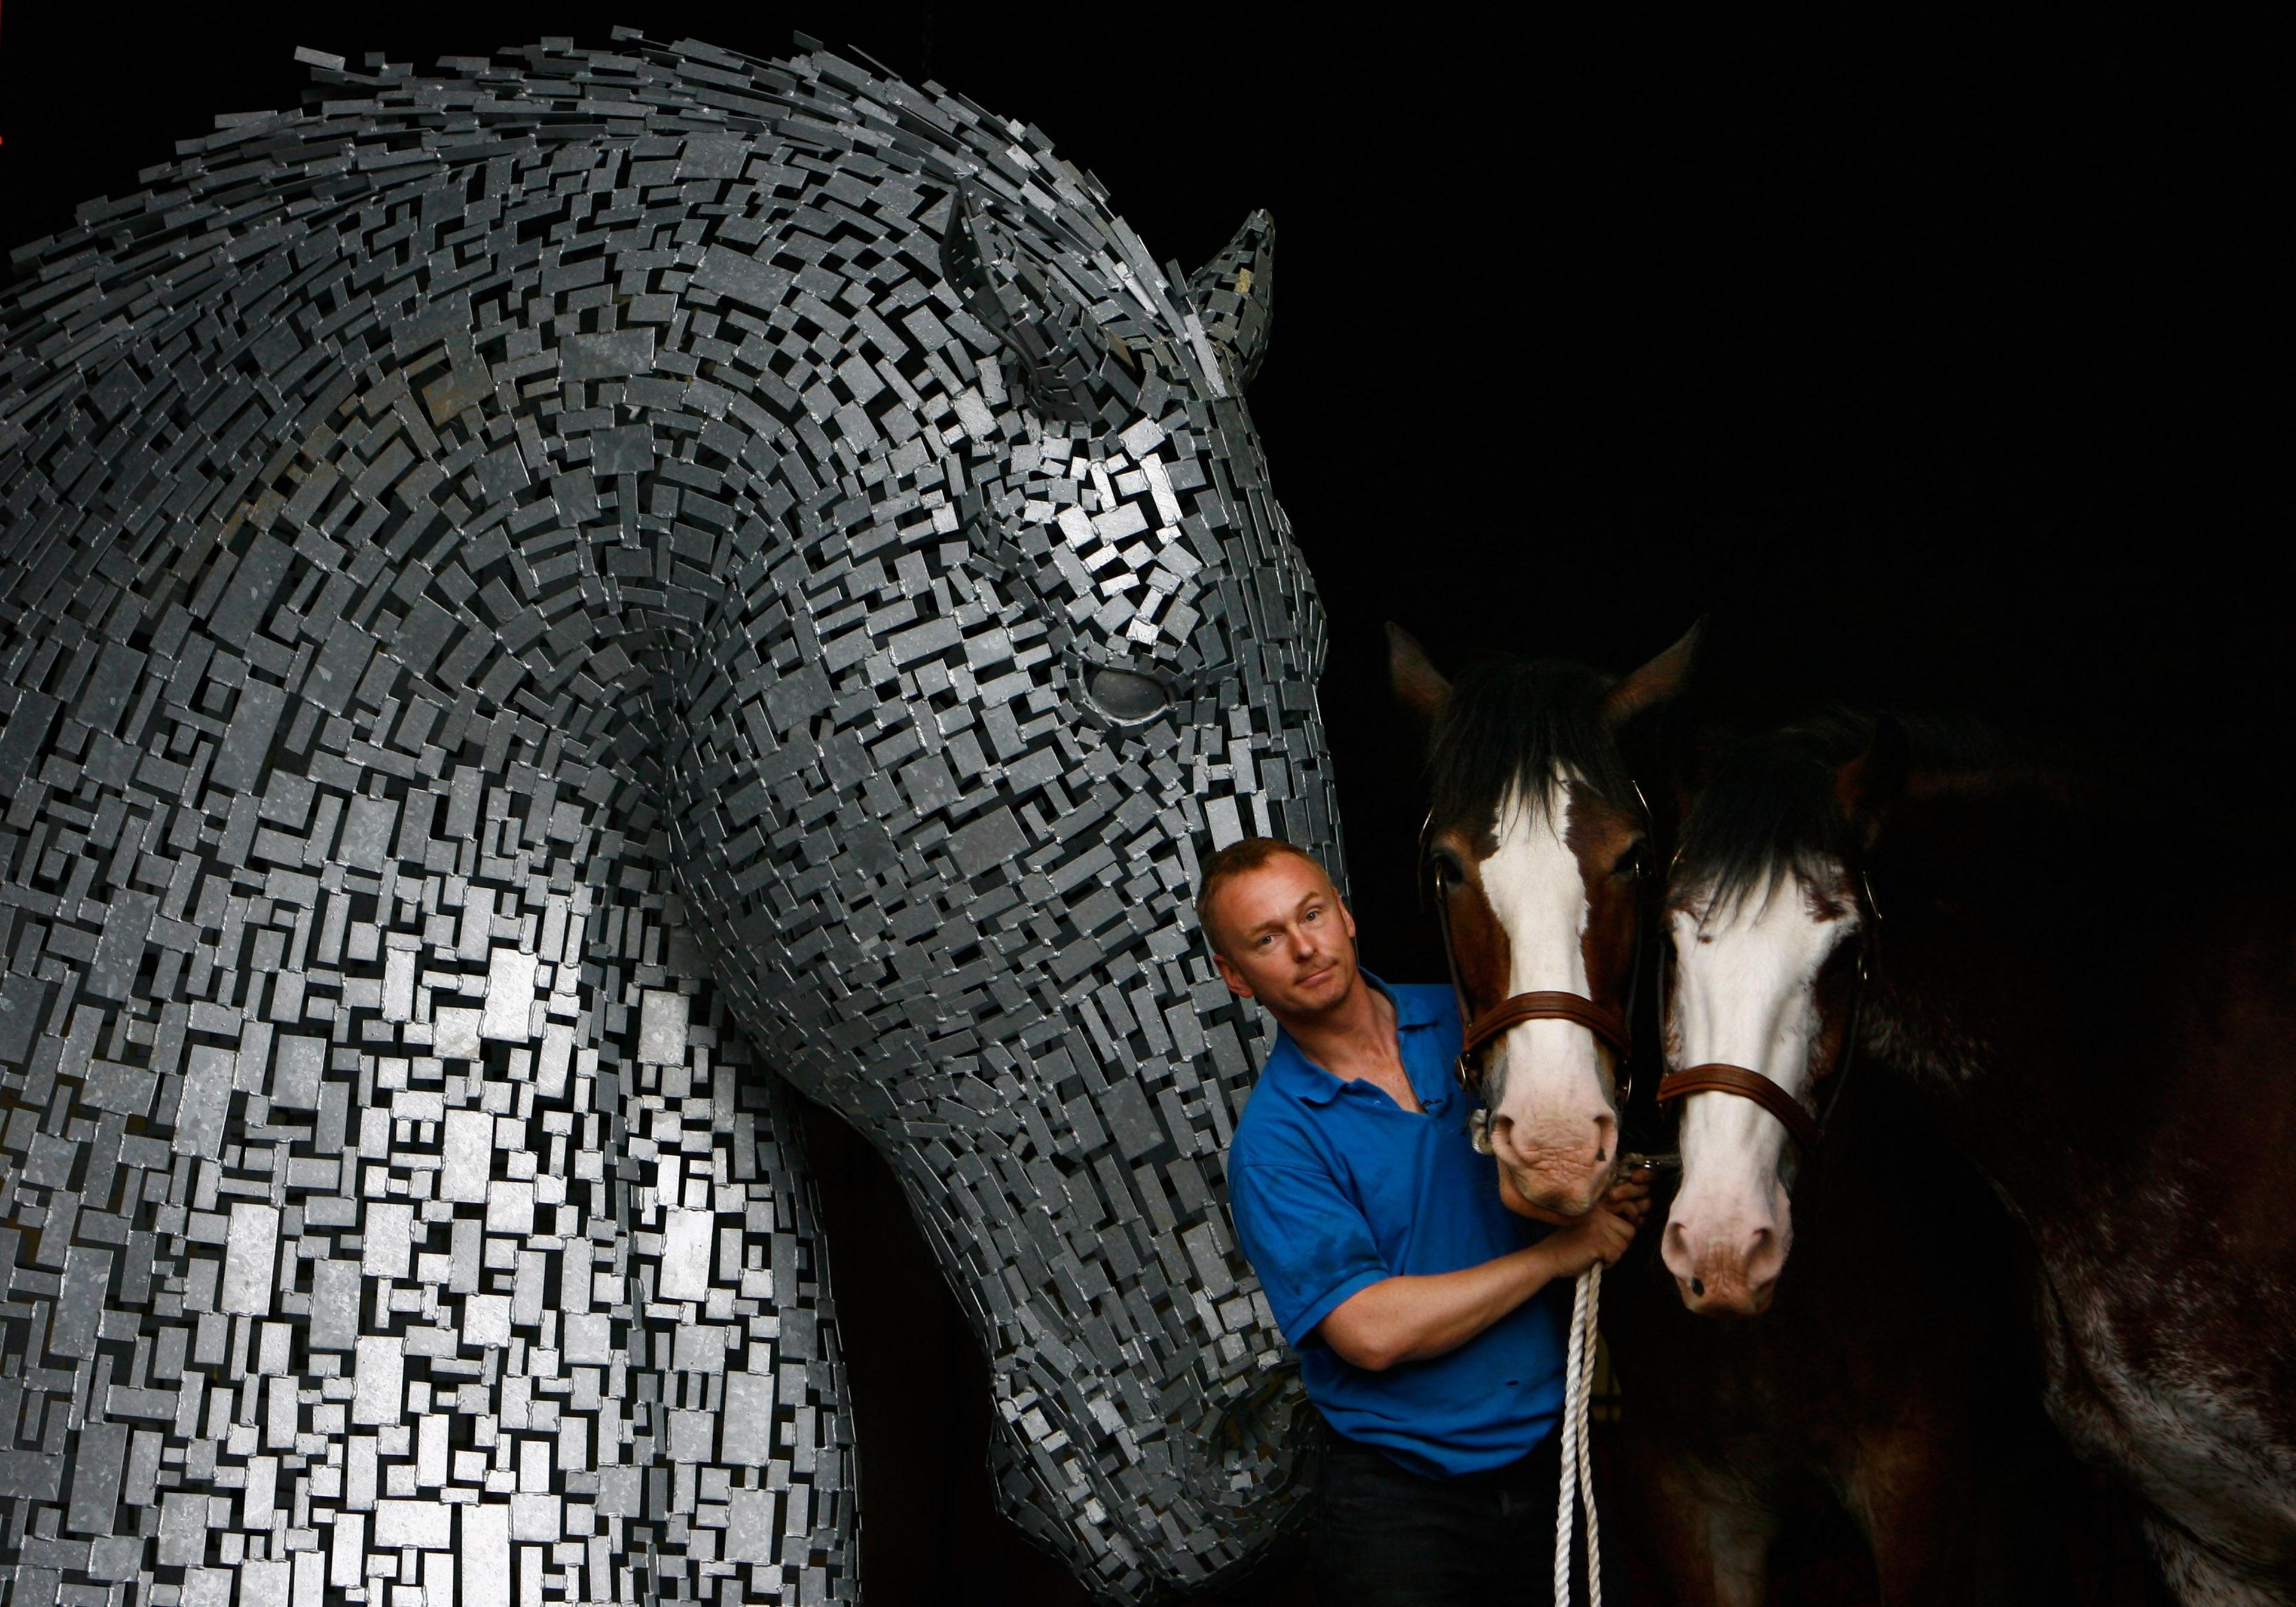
x=1041 y=642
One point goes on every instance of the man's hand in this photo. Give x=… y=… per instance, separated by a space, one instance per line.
x=1412 y=1318
x=1603 y=1233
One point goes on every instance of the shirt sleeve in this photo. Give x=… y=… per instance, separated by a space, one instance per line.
x=1309 y=1244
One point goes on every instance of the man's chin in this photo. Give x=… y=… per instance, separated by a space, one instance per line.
x=1325 y=988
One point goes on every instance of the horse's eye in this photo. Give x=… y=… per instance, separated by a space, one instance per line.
x=1122 y=695
x=1632 y=863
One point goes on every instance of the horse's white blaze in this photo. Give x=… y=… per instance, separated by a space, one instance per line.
x=1745 y=995
x=1545 y=1081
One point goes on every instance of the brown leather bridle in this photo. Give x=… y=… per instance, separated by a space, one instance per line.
x=1720 y=1077
x=1546 y=1005
x=1608 y=1026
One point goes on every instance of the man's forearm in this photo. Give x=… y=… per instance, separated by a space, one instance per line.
x=1410 y=1318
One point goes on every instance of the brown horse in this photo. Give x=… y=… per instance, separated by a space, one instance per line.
x=1887 y=1373
x=2094 y=995
x=1539 y=847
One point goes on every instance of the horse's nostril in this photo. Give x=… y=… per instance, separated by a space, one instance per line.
x=1698 y=1285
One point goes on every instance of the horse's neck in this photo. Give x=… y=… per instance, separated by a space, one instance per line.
x=2109 y=1084
x=1888 y=1171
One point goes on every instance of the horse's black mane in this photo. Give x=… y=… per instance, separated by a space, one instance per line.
x=1514 y=724
x=1770 y=807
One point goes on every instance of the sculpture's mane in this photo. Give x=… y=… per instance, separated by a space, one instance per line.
x=144 y=326
x=262 y=183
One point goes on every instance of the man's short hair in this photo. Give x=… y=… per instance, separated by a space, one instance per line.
x=1234 y=860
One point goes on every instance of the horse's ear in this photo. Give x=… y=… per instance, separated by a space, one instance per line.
x=1870 y=787
x=1235 y=294
x=1692 y=764
x=1418 y=686
x=1654 y=682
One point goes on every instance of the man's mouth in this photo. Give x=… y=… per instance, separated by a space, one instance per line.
x=1314 y=977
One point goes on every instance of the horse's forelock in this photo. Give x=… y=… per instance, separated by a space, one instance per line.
x=1512 y=728
x=1770 y=811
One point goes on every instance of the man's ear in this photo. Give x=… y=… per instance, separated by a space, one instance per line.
x=1655 y=683
x=1233 y=978
x=1870 y=787
x=1418 y=686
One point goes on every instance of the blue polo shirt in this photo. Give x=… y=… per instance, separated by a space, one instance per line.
x=1335 y=1186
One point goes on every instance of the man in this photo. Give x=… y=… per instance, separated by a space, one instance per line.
x=1430 y=1319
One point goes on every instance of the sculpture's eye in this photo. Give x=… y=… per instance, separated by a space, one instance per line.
x=1122 y=695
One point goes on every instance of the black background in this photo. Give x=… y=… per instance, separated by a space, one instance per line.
x=1935 y=366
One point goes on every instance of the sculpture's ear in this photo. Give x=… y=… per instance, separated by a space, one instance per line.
x=1234 y=293
x=978 y=260
x=1654 y=682
x=1418 y=686
x=1050 y=336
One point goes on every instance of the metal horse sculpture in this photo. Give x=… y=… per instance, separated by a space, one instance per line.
x=2106 y=1044
x=519 y=586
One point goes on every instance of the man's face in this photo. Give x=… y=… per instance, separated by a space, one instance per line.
x=1283 y=938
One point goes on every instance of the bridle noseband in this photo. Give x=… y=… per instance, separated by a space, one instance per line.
x=1720 y=1077
x=1546 y=1005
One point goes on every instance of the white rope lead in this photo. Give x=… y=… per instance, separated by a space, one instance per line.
x=1577 y=1482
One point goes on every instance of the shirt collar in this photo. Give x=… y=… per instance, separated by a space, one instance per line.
x=1311 y=1084
x=1418 y=1011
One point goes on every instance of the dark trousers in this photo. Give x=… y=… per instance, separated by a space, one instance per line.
x=1386 y=1536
